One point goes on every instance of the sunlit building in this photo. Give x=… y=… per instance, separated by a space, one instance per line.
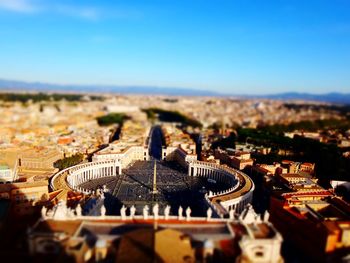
x=236 y=159
x=38 y=158
x=321 y=221
x=67 y=235
x=26 y=198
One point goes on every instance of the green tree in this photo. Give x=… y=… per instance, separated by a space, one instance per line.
x=69 y=161
x=171 y=116
x=111 y=118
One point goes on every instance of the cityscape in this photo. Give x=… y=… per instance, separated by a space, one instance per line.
x=105 y=169
x=157 y=131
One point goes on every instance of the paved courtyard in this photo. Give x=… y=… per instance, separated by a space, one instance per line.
x=175 y=188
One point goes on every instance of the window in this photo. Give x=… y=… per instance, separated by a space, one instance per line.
x=258 y=251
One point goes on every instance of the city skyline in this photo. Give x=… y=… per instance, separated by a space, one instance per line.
x=217 y=128
x=243 y=180
x=230 y=47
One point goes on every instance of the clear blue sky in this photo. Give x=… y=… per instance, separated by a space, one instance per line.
x=232 y=46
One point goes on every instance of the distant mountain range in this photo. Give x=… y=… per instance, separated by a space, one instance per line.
x=151 y=90
x=11 y=85
x=333 y=97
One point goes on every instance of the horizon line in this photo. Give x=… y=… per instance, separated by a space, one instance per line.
x=158 y=87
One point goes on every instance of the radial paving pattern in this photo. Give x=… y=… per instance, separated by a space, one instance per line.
x=175 y=187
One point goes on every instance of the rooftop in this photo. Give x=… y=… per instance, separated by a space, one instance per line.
x=261 y=231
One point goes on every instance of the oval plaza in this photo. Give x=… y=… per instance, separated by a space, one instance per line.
x=128 y=174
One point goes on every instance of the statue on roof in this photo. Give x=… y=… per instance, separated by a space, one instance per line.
x=180 y=211
x=167 y=212
x=132 y=211
x=248 y=215
x=103 y=210
x=155 y=211
x=123 y=212
x=188 y=213
x=209 y=213
x=78 y=210
x=145 y=212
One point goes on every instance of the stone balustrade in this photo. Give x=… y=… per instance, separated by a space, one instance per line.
x=98 y=212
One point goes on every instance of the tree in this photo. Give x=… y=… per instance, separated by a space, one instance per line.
x=69 y=161
x=111 y=118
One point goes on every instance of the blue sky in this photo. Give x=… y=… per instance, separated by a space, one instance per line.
x=231 y=46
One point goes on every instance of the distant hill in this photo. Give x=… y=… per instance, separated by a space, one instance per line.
x=334 y=97
x=38 y=86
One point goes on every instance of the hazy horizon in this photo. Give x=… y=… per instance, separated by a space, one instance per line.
x=92 y=87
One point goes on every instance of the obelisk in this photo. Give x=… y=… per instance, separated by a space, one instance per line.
x=155 y=178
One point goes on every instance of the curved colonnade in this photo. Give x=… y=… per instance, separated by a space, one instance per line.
x=81 y=173
x=236 y=197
